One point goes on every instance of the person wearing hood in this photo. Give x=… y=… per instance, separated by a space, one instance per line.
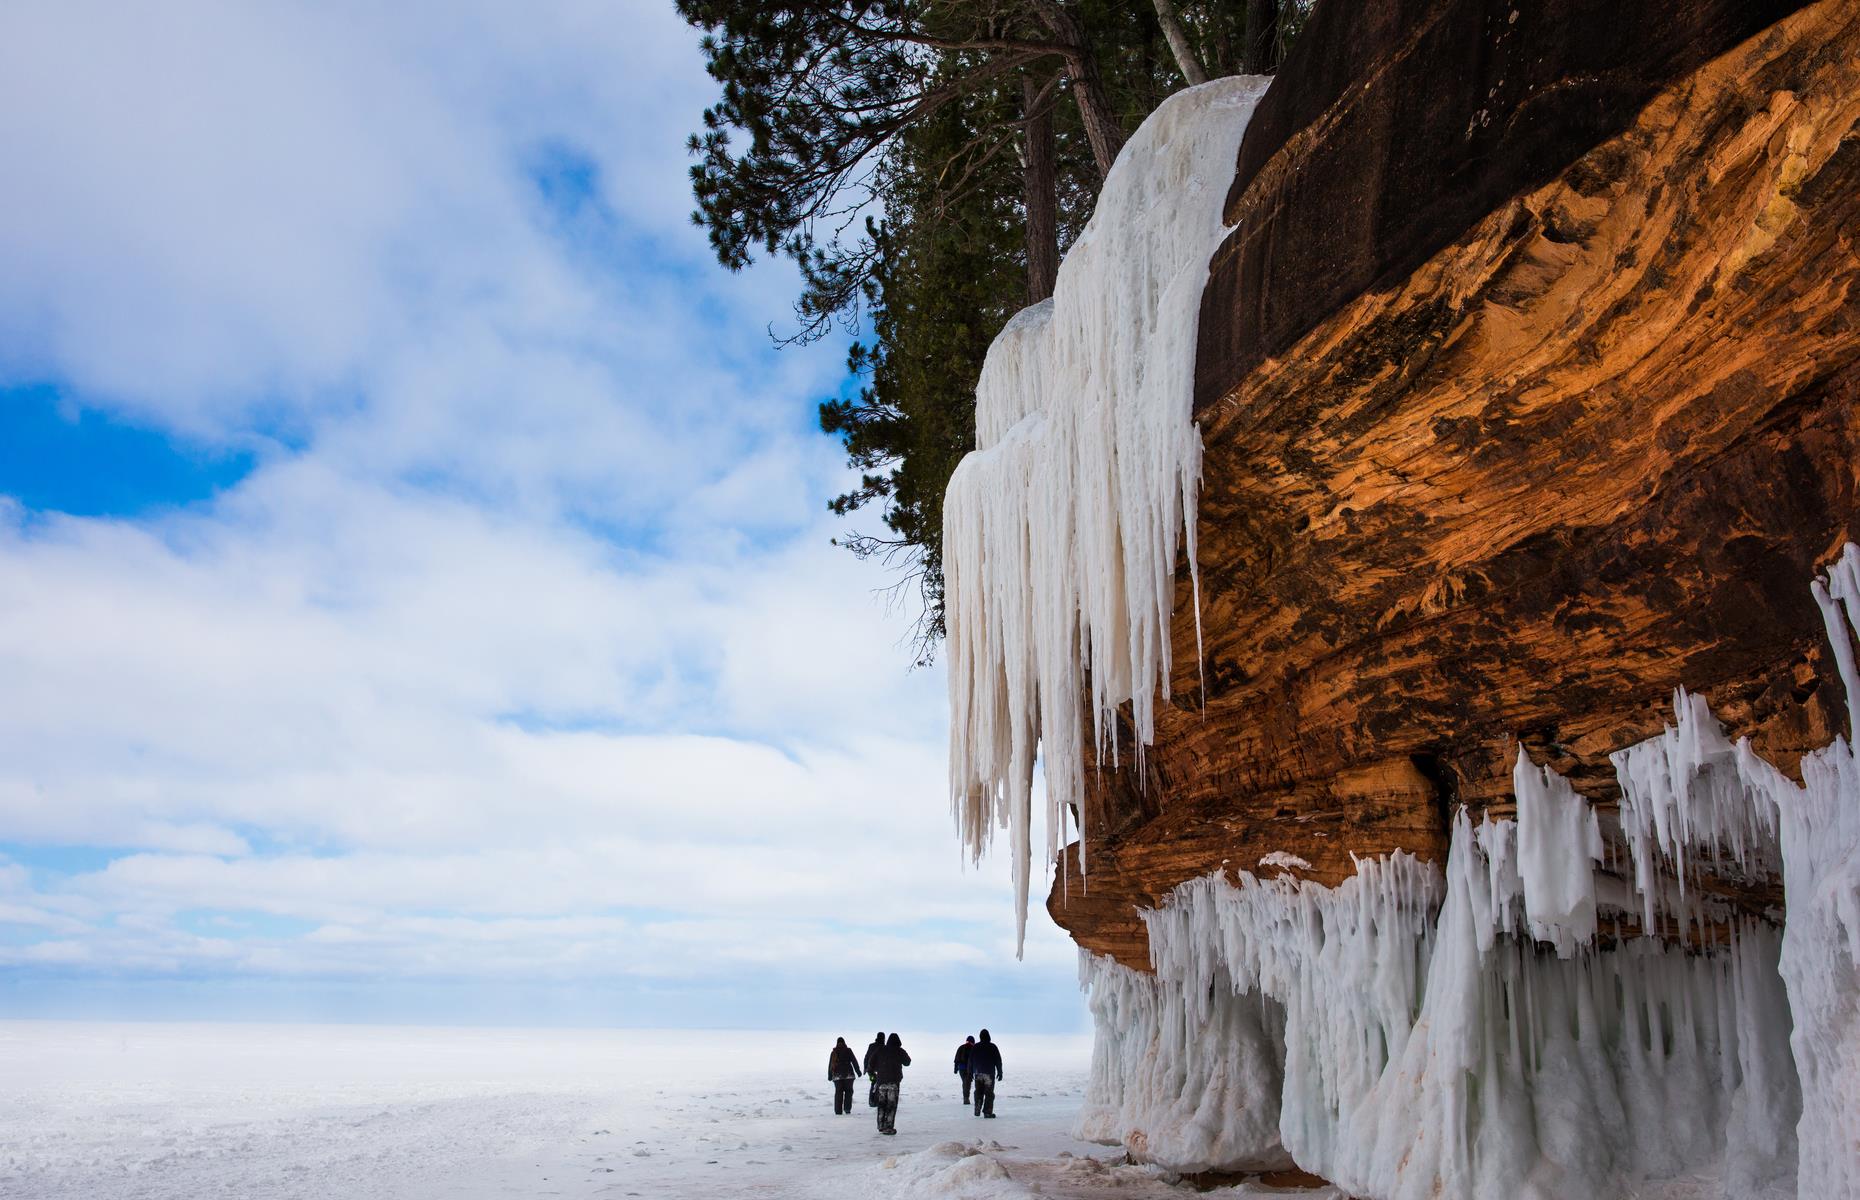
x=985 y=1062
x=887 y=1065
x=878 y=1043
x=962 y=1065
x=842 y=1068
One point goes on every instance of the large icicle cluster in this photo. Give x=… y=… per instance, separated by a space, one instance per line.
x=1192 y=1082
x=1463 y=1034
x=1060 y=529
x=1428 y=1054
x=1686 y=804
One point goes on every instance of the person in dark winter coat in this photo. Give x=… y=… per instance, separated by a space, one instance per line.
x=842 y=1069
x=985 y=1062
x=887 y=1065
x=962 y=1065
x=878 y=1043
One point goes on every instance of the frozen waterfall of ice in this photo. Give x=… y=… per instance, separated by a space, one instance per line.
x=1061 y=528
x=1465 y=1034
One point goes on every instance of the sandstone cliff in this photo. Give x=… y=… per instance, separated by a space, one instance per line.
x=1529 y=390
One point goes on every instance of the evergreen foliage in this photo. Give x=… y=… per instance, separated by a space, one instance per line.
x=892 y=149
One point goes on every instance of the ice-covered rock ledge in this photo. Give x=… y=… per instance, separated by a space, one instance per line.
x=1477 y=1032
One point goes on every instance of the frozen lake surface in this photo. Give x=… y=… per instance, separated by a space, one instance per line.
x=99 y=1111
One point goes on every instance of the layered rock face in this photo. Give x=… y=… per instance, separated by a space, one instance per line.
x=1529 y=389
x=1470 y=809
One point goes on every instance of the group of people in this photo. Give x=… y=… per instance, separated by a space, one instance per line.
x=977 y=1062
x=884 y=1061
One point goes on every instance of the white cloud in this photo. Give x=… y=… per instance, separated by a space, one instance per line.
x=522 y=649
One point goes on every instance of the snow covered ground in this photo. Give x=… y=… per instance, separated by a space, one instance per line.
x=101 y=1111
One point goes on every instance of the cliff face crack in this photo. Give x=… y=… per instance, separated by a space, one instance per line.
x=1446 y=789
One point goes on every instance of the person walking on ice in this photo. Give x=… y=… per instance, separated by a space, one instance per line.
x=985 y=1062
x=962 y=1065
x=887 y=1064
x=842 y=1068
x=878 y=1043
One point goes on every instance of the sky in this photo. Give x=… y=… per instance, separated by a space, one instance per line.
x=416 y=593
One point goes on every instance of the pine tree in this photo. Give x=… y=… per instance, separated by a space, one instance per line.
x=925 y=163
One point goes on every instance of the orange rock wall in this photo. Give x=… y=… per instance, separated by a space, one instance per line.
x=1591 y=450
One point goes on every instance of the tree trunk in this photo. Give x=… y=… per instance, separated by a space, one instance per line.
x=1262 y=37
x=1042 y=195
x=1179 y=44
x=1102 y=128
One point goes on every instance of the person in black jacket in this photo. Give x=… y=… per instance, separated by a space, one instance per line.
x=878 y=1043
x=985 y=1062
x=887 y=1065
x=962 y=1065
x=842 y=1067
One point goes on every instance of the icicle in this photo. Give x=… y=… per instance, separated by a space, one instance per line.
x=1683 y=794
x=1821 y=940
x=1843 y=588
x=1559 y=843
x=1061 y=528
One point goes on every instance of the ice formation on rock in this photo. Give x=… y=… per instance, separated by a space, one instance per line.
x=1685 y=802
x=1842 y=588
x=1821 y=938
x=1192 y=1085
x=1559 y=843
x=1428 y=1054
x=1464 y=1033
x=1061 y=528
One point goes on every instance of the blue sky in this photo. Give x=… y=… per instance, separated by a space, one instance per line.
x=415 y=593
